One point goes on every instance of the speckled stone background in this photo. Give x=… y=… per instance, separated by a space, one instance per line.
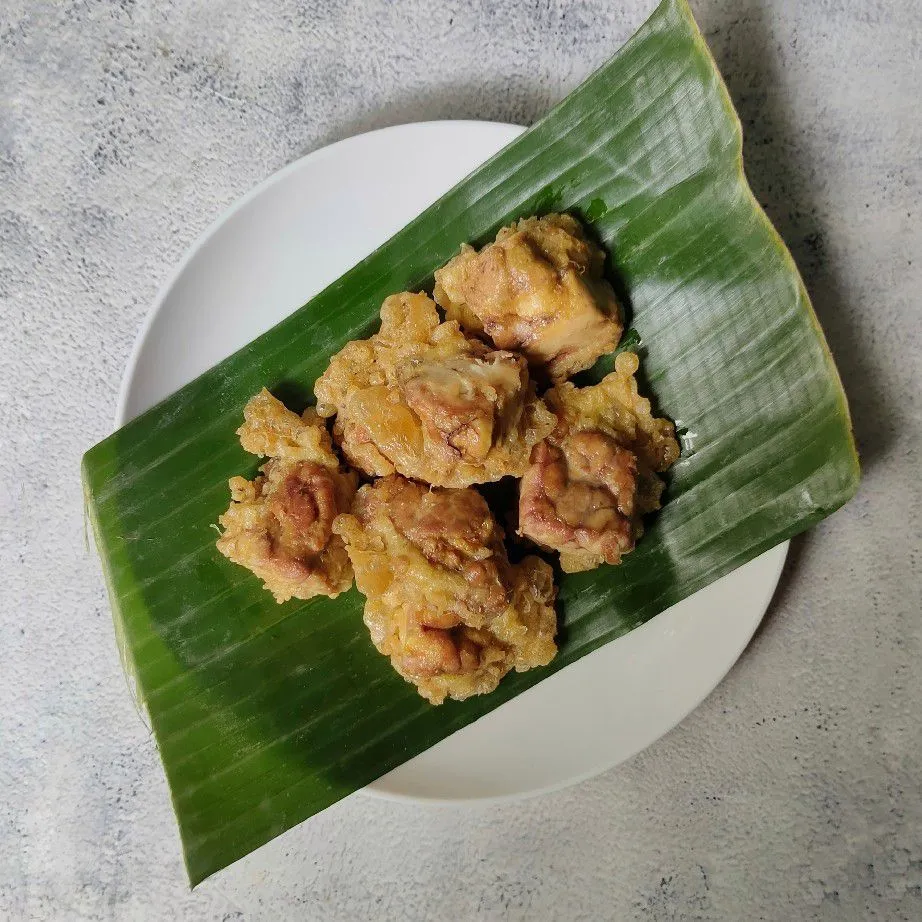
x=793 y=793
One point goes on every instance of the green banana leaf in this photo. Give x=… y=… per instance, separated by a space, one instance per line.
x=267 y=714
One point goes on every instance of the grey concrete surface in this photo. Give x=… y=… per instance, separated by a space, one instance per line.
x=792 y=793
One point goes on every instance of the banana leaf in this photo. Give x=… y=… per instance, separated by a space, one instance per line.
x=266 y=714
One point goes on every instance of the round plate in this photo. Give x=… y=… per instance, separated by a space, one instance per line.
x=271 y=252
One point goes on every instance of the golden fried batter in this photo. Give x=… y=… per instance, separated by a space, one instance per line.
x=443 y=601
x=420 y=399
x=537 y=289
x=280 y=525
x=594 y=477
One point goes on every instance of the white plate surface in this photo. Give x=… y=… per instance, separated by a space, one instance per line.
x=271 y=252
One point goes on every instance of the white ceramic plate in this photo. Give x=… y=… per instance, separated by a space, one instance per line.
x=277 y=247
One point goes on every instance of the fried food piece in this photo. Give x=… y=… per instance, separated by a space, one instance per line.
x=579 y=498
x=592 y=480
x=443 y=601
x=420 y=399
x=537 y=289
x=280 y=525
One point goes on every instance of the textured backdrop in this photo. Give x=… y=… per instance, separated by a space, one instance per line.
x=125 y=129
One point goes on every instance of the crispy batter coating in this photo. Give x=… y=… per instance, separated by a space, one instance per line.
x=443 y=601
x=592 y=480
x=538 y=289
x=280 y=525
x=420 y=399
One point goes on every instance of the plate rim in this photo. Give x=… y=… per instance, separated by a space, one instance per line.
x=121 y=417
